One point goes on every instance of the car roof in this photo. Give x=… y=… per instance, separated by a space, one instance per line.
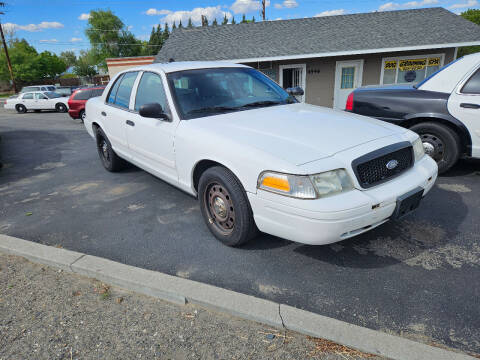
x=187 y=65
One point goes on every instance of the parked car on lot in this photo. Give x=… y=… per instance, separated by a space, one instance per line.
x=38 y=88
x=77 y=101
x=37 y=100
x=254 y=156
x=65 y=90
x=444 y=109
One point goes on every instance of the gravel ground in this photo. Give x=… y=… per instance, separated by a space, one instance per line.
x=49 y=314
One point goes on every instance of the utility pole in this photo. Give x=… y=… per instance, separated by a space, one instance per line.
x=263 y=9
x=8 y=59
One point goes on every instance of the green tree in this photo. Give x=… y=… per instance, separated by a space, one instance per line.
x=166 y=33
x=190 y=23
x=174 y=26
x=225 y=20
x=109 y=37
x=49 y=66
x=214 y=22
x=28 y=65
x=180 y=25
x=69 y=57
x=253 y=19
x=204 y=20
x=22 y=57
x=85 y=66
x=244 y=19
x=474 y=16
x=233 y=20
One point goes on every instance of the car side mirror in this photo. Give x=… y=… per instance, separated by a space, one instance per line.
x=295 y=91
x=153 y=110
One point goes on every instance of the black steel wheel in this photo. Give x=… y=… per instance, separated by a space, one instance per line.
x=110 y=160
x=220 y=207
x=21 y=108
x=440 y=142
x=60 y=107
x=225 y=207
x=82 y=115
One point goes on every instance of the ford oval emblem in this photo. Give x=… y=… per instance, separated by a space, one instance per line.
x=392 y=164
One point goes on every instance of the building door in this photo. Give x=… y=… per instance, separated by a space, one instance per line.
x=348 y=76
x=293 y=76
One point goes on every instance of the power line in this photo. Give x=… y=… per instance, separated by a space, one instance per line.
x=70 y=43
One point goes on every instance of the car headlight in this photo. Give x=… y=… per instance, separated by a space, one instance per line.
x=304 y=186
x=418 y=149
x=332 y=182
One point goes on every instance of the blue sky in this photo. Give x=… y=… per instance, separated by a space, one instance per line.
x=58 y=25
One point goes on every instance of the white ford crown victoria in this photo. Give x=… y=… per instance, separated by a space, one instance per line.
x=257 y=158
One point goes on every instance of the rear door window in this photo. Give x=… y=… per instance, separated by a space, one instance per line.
x=28 y=96
x=113 y=91
x=472 y=86
x=122 y=98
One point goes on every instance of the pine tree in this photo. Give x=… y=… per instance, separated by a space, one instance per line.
x=174 y=26
x=204 y=20
x=244 y=19
x=166 y=33
x=180 y=24
x=233 y=20
x=225 y=20
x=190 y=23
x=214 y=23
x=253 y=19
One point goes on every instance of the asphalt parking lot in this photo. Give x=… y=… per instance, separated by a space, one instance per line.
x=418 y=278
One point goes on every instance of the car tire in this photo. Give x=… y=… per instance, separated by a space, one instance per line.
x=440 y=142
x=225 y=207
x=82 y=115
x=60 y=107
x=110 y=160
x=21 y=109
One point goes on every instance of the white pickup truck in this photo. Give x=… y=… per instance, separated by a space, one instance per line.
x=255 y=157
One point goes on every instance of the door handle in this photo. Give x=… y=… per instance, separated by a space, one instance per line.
x=470 y=106
x=103 y=113
x=130 y=122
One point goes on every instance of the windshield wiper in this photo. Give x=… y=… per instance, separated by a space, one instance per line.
x=262 y=103
x=213 y=109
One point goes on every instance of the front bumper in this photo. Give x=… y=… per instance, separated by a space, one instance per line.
x=339 y=217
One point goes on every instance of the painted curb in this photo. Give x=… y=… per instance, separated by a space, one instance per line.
x=181 y=291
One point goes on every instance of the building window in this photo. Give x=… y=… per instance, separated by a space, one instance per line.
x=410 y=69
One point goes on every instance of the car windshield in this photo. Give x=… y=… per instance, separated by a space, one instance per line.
x=52 y=95
x=205 y=92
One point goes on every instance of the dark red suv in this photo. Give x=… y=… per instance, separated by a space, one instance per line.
x=77 y=101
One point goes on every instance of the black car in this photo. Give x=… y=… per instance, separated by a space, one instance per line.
x=444 y=109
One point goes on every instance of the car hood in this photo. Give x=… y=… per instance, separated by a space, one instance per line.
x=297 y=133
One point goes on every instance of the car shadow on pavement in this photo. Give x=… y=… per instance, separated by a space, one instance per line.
x=464 y=167
x=414 y=240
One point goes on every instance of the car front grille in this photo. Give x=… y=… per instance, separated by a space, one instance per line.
x=384 y=164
